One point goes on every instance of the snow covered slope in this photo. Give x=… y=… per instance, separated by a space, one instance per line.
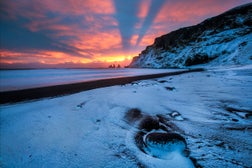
x=179 y=121
x=222 y=40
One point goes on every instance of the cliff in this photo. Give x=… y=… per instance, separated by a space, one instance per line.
x=222 y=40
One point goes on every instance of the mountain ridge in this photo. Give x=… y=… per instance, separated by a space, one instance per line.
x=224 y=39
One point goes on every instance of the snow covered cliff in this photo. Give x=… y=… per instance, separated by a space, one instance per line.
x=222 y=40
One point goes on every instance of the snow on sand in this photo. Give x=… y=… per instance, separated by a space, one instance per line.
x=178 y=121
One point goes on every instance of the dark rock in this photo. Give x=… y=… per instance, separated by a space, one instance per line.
x=149 y=123
x=243 y=43
x=221 y=144
x=199 y=58
x=239 y=128
x=174 y=114
x=164 y=123
x=195 y=163
x=163 y=118
x=169 y=88
x=162 y=81
x=163 y=138
x=235 y=120
x=139 y=140
x=170 y=126
x=133 y=115
x=248 y=115
x=235 y=110
x=81 y=104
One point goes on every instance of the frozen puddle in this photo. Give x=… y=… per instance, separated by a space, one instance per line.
x=157 y=139
x=163 y=145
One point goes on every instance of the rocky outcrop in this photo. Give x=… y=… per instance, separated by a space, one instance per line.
x=221 y=40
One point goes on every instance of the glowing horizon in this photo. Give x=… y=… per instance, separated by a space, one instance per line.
x=92 y=33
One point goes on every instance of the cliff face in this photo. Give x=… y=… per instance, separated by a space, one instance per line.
x=222 y=40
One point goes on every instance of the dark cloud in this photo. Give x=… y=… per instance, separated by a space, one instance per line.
x=37 y=65
x=154 y=9
x=126 y=15
x=18 y=38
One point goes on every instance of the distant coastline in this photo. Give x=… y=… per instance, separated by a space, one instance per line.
x=45 y=68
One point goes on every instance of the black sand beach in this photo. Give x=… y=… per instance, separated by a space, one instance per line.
x=65 y=89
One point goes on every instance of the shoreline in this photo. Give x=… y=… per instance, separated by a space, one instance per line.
x=66 y=89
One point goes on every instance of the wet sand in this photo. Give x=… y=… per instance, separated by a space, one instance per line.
x=65 y=89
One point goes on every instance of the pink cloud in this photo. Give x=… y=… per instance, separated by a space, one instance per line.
x=95 y=36
x=176 y=14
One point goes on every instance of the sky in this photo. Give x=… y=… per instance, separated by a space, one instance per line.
x=92 y=33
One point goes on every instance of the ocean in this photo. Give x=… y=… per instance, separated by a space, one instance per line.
x=33 y=78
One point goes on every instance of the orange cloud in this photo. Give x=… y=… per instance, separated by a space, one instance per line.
x=88 y=32
x=59 y=58
x=48 y=57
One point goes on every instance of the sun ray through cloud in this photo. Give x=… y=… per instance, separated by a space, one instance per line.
x=93 y=30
